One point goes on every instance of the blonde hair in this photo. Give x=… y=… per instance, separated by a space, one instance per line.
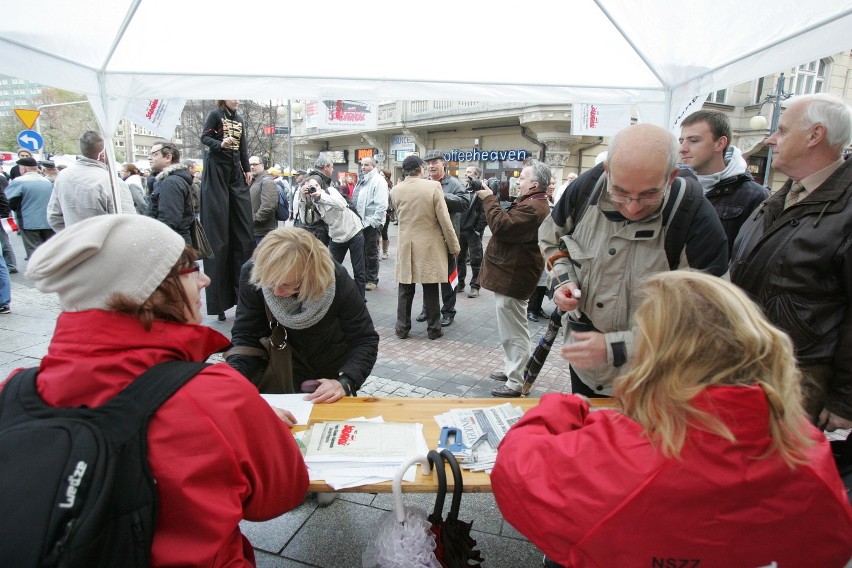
x=695 y=331
x=292 y=253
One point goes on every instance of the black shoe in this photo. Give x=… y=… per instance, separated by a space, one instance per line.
x=498 y=376
x=541 y=313
x=221 y=316
x=437 y=334
x=505 y=392
x=532 y=317
x=4 y=309
x=459 y=288
x=446 y=321
x=422 y=316
x=13 y=270
x=402 y=334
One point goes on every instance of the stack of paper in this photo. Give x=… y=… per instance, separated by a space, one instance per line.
x=360 y=452
x=473 y=434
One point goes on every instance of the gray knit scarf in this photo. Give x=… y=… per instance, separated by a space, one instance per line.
x=294 y=314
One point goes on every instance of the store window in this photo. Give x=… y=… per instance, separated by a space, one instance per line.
x=809 y=78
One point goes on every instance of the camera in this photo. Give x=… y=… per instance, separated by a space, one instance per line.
x=494 y=185
x=474 y=184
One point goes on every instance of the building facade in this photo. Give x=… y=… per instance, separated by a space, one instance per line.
x=499 y=136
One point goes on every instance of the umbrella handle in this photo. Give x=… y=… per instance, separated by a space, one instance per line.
x=397 y=483
x=438 y=465
x=458 y=484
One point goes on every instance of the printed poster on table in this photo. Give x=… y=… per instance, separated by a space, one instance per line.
x=362 y=441
x=589 y=119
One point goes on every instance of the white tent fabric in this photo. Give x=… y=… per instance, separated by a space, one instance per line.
x=656 y=54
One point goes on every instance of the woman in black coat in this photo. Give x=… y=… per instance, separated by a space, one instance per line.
x=225 y=204
x=314 y=298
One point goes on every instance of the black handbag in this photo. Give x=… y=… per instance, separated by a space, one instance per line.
x=275 y=374
x=199 y=240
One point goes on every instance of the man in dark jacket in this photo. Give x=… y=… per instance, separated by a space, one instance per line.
x=793 y=255
x=171 y=198
x=470 y=239
x=512 y=266
x=705 y=138
x=264 y=199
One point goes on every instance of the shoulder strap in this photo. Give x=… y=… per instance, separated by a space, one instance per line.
x=19 y=387
x=579 y=193
x=148 y=392
x=686 y=203
x=123 y=414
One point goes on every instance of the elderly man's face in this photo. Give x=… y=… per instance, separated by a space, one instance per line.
x=435 y=169
x=790 y=143
x=636 y=189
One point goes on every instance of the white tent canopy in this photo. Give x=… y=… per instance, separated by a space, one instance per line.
x=657 y=54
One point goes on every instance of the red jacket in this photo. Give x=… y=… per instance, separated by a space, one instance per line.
x=217 y=450
x=589 y=490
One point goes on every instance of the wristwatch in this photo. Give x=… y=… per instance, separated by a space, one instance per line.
x=349 y=386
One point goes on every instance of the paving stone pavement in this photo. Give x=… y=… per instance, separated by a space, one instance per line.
x=456 y=365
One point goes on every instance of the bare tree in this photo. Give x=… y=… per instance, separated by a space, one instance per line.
x=272 y=147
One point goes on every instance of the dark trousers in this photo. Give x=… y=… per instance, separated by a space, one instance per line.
x=471 y=251
x=537 y=297
x=579 y=387
x=35 y=237
x=431 y=305
x=371 y=254
x=355 y=246
x=448 y=293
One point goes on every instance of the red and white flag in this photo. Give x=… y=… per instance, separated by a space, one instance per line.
x=9 y=225
x=453 y=279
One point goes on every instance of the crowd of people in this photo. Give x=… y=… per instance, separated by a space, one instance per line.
x=717 y=315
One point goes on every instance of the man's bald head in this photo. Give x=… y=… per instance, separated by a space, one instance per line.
x=643 y=143
x=640 y=166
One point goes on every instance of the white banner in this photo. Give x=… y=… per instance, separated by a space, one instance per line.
x=157 y=115
x=588 y=119
x=341 y=115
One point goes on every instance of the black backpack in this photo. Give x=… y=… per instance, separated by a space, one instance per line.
x=282 y=209
x=75 y=486
x=581 y=193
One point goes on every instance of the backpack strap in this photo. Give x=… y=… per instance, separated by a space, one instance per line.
x=132 y=406
x=677 y=218
x=147 y=393
x=19 y=387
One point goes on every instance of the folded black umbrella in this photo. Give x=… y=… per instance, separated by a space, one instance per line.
x=457 y=548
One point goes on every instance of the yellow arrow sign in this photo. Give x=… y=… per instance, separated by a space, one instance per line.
x=27 y=116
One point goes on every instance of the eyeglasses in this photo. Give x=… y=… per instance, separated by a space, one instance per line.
x=155 y=152
x=195 y=268
x=254 y=164
x=626 y=199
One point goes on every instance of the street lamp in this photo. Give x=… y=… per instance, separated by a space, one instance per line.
x=291 y=108
x=758 y=122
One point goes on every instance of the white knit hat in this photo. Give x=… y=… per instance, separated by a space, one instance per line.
x=90 y=261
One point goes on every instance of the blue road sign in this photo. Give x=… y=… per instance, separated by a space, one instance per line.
x=31 y=140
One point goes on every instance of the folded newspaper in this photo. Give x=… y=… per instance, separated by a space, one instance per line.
x=473 y=434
